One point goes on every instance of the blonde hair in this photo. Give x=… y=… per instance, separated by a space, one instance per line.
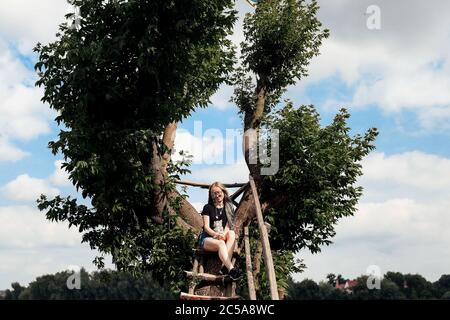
x=226 y=197
x=228 y=205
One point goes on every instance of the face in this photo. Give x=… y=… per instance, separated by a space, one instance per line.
x=216 y=194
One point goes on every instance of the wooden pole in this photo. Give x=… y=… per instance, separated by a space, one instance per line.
x=268 y=260
x=248 y=263
x=238 y=192
x=206 y=185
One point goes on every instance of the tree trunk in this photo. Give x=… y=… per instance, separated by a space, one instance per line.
x=189 y=217
x=252 y=119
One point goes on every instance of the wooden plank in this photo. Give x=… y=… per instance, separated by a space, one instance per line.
x=187 y=296
x=253 y=3
x=208 y=277
x=207 y=185
x=268 y=260
x=239 y=191
x=248 y=263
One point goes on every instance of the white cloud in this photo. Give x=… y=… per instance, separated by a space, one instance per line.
x=26 y=227
x=401 y=223
x=27 y=189
x=22 y=115
x=22 y=24
x=12 y=71
x=31 y=246
x=233 y=173
x=427 y=172
x=207 y=147
x=25 y=265
x=28 y=22
x=403 y=66
x=9 y=152
x=221 y=99
x=59 y=177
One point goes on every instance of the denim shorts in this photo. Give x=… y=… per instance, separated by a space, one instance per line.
x=201 y=239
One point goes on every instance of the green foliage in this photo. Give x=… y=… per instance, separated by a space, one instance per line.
x=309 y=290
x=124 y=73
x=320 y=167
x=15 y=293
x=164 y=248
x=415 y=287
x=281 y=37
x=331 y=279
x=442 y=285
x=284 y=262
x=115 y=82
x=389 y=290
x=396 y=277
x=105 y=284
x=305 y=290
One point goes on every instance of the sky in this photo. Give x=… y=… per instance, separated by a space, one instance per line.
x=387 y=62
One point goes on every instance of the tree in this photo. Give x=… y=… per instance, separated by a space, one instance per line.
x=120 y=82
x=331 y=279
x=124 y=78
x=318 y=165
x=396 y=277
x=106 y=284
x=329 y=292
x=15 y=293
x=418 y=287
x=390 y=290
x=442 y=285
x=305 y=290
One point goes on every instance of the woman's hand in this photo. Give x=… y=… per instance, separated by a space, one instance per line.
x=219 y=236
x=225 y=235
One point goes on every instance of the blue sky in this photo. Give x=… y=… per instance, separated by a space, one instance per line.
x=395 y=78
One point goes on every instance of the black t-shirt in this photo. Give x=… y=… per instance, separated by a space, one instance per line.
x=216 y=216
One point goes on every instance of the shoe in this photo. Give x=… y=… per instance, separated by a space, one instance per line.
x=223 y=271
x=235 y=274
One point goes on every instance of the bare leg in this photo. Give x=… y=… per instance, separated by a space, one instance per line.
x=220 y=247
x=230 y=243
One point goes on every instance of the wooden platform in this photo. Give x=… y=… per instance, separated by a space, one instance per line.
x=187 y=296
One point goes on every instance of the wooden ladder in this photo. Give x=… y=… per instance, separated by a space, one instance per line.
x=205 y=282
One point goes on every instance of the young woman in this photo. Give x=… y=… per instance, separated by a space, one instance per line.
x=218 y=224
